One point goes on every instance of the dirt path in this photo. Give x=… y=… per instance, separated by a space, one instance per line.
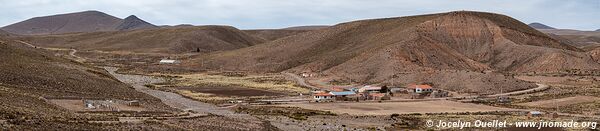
x=172 y=99
x=71 y=51
x=300 y=80
x=540 y=87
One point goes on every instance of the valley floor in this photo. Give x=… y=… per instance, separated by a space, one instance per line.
x=241 y=112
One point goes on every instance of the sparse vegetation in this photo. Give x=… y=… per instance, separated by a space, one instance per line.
x=268 y=82
x=291 y=112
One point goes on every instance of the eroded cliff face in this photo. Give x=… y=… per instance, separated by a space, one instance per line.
x=500 y=47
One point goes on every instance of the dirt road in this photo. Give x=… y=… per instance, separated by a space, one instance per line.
x=299 y=80
x=71 y=51
x=540 y=87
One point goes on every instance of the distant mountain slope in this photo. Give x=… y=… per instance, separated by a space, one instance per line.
x=598 y=30
x=159 y=40
x=133 y=22
x=87 y=21
x=536 y=25
x=586 y=40
x=451 y=50
x=309 y=27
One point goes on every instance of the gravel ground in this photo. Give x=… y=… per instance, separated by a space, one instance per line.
x=336 y=123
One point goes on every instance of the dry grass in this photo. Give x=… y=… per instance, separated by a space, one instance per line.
x=561 y=102
x=267 y=82
x=204 y=97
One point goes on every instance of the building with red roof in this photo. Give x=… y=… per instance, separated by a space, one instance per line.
x=323 y=97
x=420 y=88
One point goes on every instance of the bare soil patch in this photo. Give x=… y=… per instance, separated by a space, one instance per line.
x=387 y=108
x=561 y=102
x=229 y=90
x=78 y=105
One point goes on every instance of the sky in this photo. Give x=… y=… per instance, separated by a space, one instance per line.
x=271 y=14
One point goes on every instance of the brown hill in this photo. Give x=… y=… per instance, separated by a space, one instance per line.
x=87 y=21
x=273 y=34
x=449 y=49
x=28 y=76
x=159 y=40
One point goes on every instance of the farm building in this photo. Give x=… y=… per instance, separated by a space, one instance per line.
x=344 y=95
x=323 y=97
x=167 y=61
x=420 y=88
x=369 y=88
x=335 y=95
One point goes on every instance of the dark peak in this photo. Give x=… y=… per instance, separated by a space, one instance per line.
x=132 y=17
x=133 y=22
x=598 y=30
x=537 y=25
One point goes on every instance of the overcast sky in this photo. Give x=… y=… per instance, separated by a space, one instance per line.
x=253 y=14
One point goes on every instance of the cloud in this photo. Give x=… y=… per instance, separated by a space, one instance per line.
x=248 y=14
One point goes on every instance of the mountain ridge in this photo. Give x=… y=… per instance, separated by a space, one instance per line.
x=86 y=21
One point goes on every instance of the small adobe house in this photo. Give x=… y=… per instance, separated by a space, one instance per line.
x=419 y=89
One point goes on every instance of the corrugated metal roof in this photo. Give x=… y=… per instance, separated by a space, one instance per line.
x=342 y=93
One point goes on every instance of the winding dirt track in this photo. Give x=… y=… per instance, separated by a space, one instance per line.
x=171 y=99
x=71 y=51
x=299 y=80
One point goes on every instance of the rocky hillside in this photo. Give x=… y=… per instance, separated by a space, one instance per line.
x=4 y=33
x=87 y=21
x=452 y=50
x=29 y=75
x=273 y=34
x=159 y=40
